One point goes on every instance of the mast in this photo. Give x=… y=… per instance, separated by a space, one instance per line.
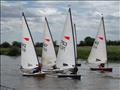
x=72 y=35
x=76 y=43
x=30 y=36
x=105 y=35
x=49 y=30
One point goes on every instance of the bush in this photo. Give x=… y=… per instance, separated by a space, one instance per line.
x=38 y=44
x=16 y=44
x=14 y=51
x=5 y=45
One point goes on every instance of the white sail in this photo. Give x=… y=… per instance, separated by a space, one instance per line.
x=98 y=52
x=66 y=55
x=48 y=51
x=28 y=54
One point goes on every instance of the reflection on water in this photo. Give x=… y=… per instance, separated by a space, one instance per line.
x=11 y=77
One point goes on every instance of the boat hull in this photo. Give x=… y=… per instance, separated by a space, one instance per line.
x=101 y=69
x=39 y=74
x=73 y=76
x=53 y=71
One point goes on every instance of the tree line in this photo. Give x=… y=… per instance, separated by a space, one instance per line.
x=88 y=41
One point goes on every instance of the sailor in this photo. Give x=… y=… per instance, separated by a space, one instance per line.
x=102 y=65
x=21 y=67
x=74 y=70
x=37 y=69
x=54 y=67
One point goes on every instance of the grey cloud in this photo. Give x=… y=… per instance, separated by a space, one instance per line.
x=83 y=13
x=115 y=32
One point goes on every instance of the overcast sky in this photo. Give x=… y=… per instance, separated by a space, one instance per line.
x=86 y=16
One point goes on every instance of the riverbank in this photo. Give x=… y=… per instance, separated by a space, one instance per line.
x=83 y=52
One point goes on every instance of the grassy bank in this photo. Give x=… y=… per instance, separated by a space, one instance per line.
x=12 y=51
x=83 y=52
x=112 y=51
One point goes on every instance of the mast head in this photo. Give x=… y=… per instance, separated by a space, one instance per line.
x=22 y=13
x=45 y=18
x=69 y=10
x=102 y=16
x=74 y=25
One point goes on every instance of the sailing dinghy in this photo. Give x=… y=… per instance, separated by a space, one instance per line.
x=98 y=54
x=30 y=65
x=66 y=58
x=48 y=52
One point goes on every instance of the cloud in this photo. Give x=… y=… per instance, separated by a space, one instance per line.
x=49 y=11
x=116 y=14
x=13 y=3
x=86 y=16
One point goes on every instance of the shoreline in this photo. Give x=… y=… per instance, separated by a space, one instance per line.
x=82 y=52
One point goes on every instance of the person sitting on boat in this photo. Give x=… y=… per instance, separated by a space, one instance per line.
x=37 y=69
x=102 y=65
x=21 y=67
x=74 y=70
x=54 y=67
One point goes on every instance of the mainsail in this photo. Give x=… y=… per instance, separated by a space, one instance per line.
x=48 y=51
x=29 y=58
x=66 y=53
x=98 y=52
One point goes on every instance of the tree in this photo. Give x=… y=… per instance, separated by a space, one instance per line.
x=81 y=43
x=16 y=44
x=5 y=45
x=89 y=41
x=113 y=42
x=38 y=44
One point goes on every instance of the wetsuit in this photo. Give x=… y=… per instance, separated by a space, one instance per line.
x=54 y=67
x=37 y=69
x=74 y=70
x=102 y=65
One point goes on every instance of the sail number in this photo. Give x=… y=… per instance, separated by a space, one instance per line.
x=63 y=44
x=23 y=47
x=45 y=46
x=96 y=44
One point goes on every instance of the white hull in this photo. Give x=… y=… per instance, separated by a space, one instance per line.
x=53 y=71
x=42 y=74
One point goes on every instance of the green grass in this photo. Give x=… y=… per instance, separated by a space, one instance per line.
x=13 y=51
x=4 y=51
x=39 y=51
x=113 y=53
x=83 y=52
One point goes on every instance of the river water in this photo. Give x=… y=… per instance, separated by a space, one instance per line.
x=11 y=77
